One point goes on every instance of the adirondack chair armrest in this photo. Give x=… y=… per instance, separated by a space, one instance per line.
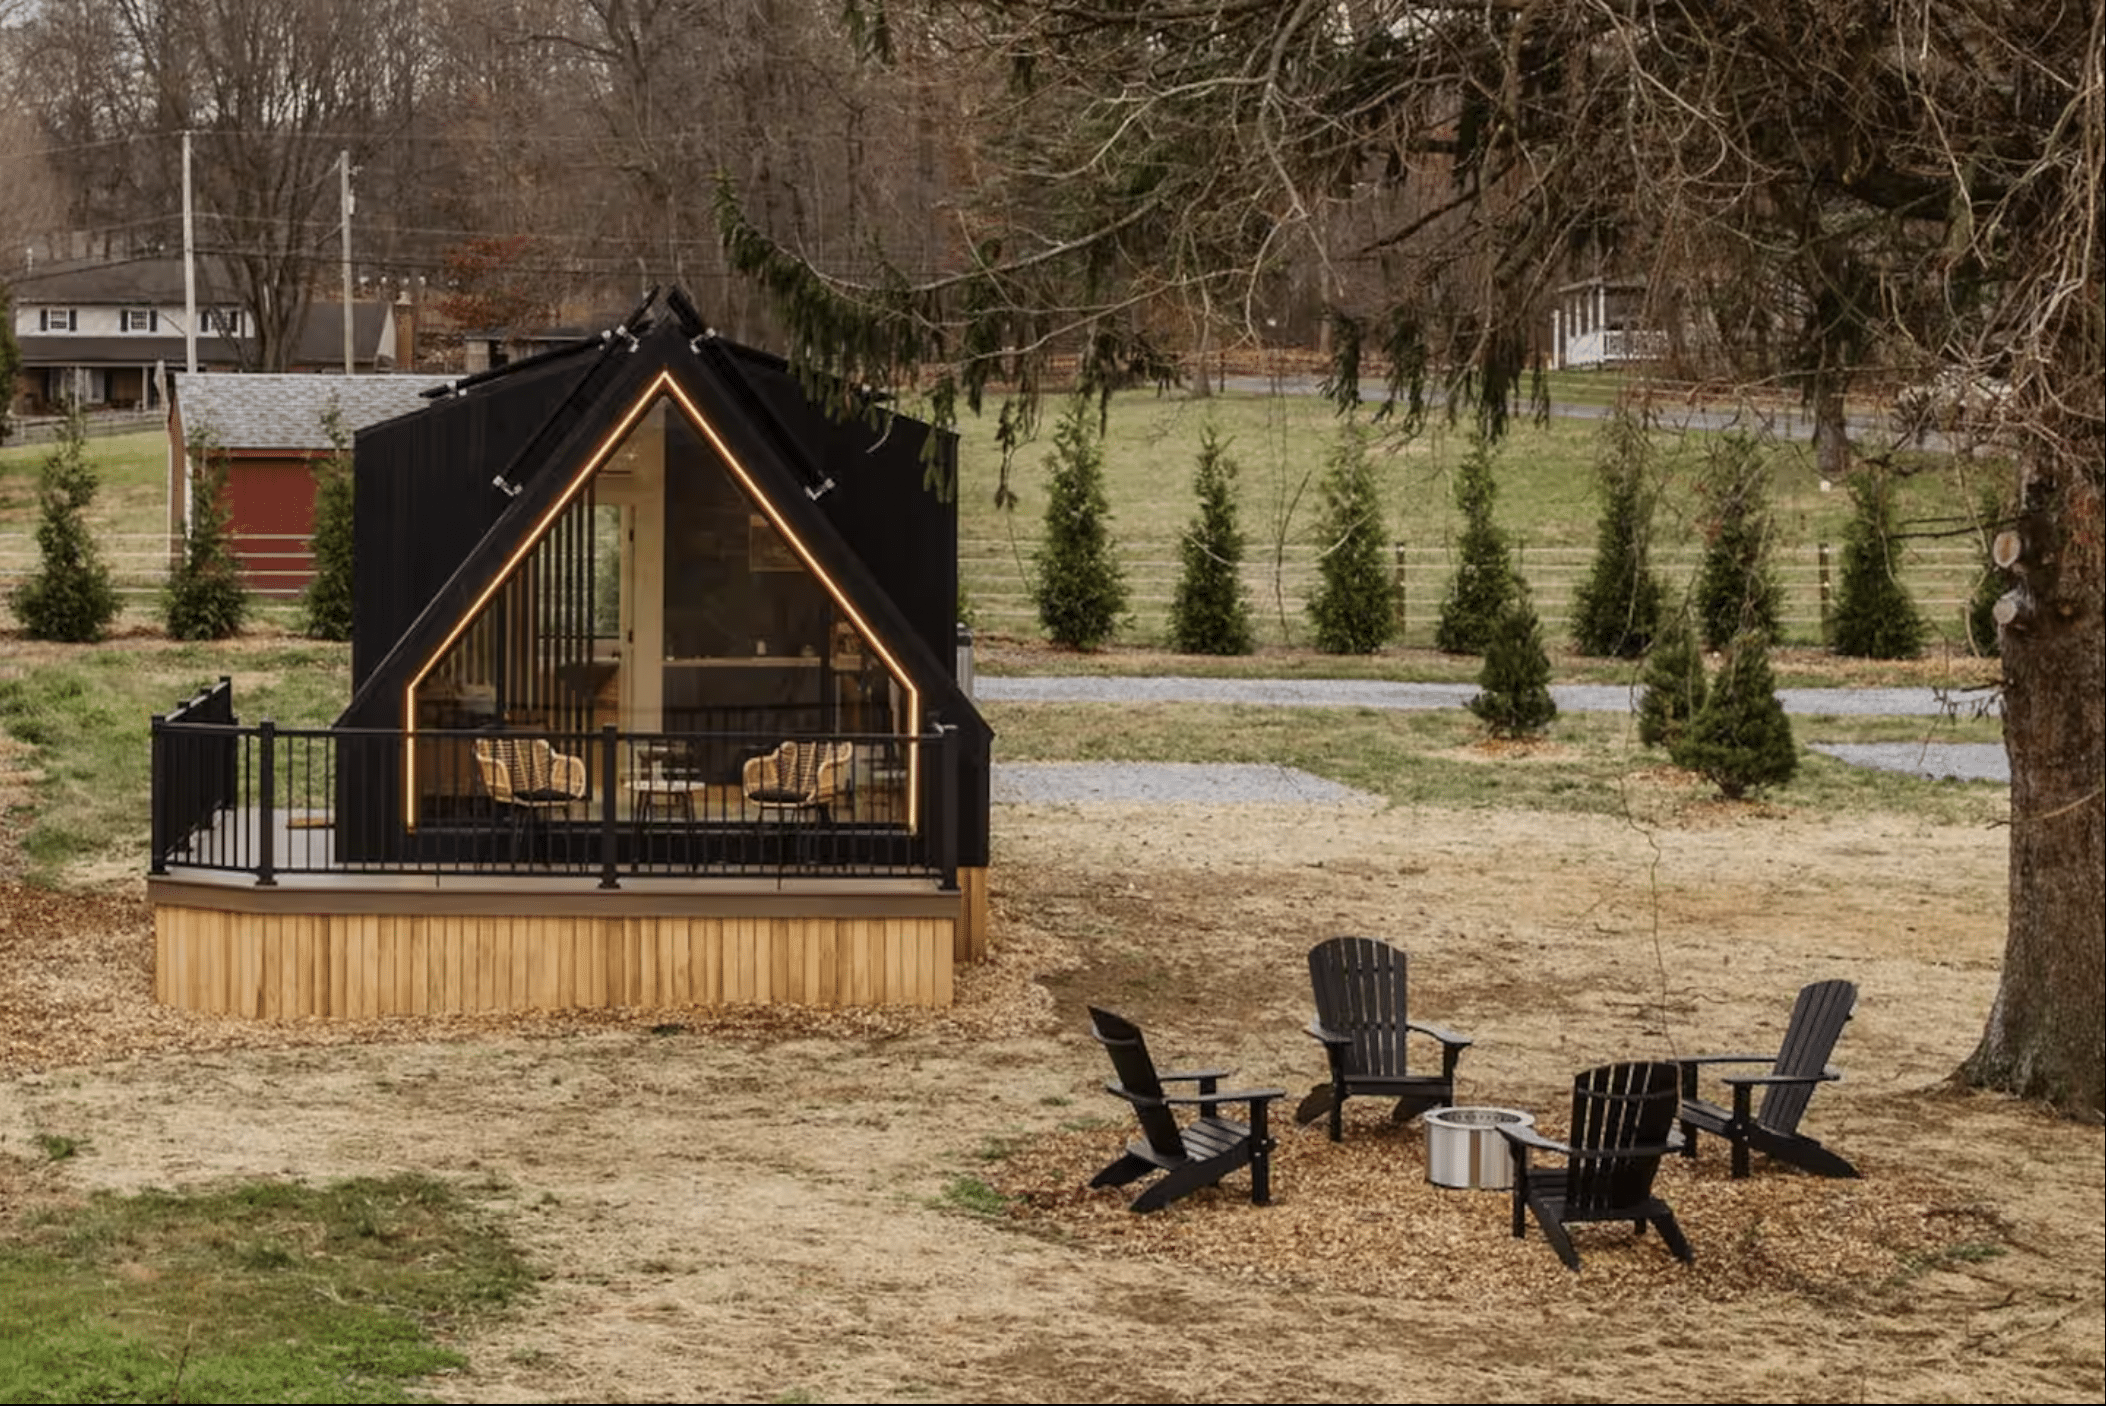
x=1118 y=1090
x=1332 y=1039
x=1529 y=1137
x=1650 y=1149
x=1691 y=1064
x=1194 y=1076
x=1250 y=1096
x=1442 y=1033
x=1826 y=1076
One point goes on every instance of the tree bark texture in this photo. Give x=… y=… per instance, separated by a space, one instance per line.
x=2046 y=1036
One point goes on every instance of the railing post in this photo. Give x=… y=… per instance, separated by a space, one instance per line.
x=610 y=836
x=267 y=804
x=947 y=806
x=159 y=820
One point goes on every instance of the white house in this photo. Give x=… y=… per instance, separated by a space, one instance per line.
x=106 y=336
x=1601 y=322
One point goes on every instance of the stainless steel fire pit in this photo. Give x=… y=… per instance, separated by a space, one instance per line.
x=1464 y=1149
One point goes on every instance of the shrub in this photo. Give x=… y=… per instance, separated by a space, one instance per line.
x=326 y=608
x=1484 y=579
x=1736 y=588
x=1513 y=698
x=1617 y=608
x=69 y=596
x=1080 y=590
x=1208 y=614
x=205 y=599
x=1355 y=605
x=1674 y=684
x=1875 y=618
x=1740 y=740
x=1989 y=587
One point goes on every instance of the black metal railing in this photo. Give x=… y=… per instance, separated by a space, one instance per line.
x=195 y=753
x=272 y=801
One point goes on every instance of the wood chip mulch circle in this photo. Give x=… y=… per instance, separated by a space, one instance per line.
x=1360 y=1217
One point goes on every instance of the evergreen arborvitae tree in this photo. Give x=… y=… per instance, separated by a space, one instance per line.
x=1484 y=577
x=1674 y=684
x=1875 y=617
x=1355 y=605
x=206 y=600
x=1209 y=614
x=1617 y=608
x=1737 y=588
x=1513 y=698
x=1081 y=590
x=1740 y=740
x=1989 y=586
x=69 y=596
x=326 y=606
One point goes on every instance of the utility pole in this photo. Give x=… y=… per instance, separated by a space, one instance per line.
x=343 y=161
x=189 y=269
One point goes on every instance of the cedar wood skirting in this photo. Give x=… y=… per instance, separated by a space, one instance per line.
x=413 y=948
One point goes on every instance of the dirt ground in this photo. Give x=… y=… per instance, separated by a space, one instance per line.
x=764 y=1205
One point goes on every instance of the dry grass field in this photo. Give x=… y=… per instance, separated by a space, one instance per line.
x=784 y=1205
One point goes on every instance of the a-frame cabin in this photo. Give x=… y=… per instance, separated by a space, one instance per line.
x=654 y=702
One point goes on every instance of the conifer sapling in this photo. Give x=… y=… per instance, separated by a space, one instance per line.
x=1354 y=607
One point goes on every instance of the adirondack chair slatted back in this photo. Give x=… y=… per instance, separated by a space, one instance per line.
x=1131 y=1061
x=1613 y=1107
x=1359 y=984
x=1817 y=1022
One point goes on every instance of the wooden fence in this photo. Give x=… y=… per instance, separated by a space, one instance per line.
x=275 y=564
x=997 y=578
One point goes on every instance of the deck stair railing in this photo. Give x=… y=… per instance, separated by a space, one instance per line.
x=196 y=766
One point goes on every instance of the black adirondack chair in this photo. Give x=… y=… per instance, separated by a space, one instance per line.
x=1201 y=1152
x=1623 y=1118
x=1360 y=1018
x=1800 y=1064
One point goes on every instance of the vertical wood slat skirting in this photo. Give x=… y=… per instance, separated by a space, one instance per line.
x=284 y=965
x=969 y=942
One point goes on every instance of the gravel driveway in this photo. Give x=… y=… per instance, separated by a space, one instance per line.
x=1959 y=761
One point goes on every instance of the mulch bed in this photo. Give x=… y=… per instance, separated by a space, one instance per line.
x=1360 y=1217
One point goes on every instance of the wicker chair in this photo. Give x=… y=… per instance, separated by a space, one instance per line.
x=798 y=781
x=528 y=779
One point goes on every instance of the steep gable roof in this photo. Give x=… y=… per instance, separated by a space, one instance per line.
x=664 y=349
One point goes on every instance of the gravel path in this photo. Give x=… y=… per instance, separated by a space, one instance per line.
x=1376 y=693
x=1161 y=782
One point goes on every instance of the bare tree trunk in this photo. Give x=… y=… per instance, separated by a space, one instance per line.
x=2046 y=1037
x=1831 y=433
x=1203 y=351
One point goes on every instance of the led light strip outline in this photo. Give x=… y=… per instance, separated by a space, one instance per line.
x=666 y=386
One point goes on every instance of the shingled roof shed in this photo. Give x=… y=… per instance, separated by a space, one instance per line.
x=271 y=430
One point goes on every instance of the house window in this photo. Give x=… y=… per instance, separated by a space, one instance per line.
x=56 y=320
x=141 y=320
x=226 y=321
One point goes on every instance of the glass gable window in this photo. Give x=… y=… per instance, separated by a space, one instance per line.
x=664 y=599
